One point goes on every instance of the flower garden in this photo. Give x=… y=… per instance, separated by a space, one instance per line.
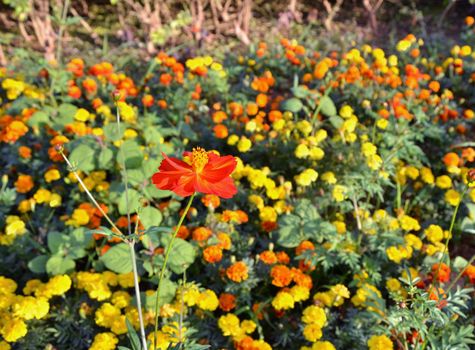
x=291 y=197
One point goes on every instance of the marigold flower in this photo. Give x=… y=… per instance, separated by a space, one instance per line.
x=227 y=302
x=200 y=171
x=281 y=276
x=237 y=272
x=213 y=254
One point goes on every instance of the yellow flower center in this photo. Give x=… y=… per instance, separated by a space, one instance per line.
x=199 y=158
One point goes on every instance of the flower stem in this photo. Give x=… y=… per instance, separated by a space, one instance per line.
x=164 y=266
x=137 y=293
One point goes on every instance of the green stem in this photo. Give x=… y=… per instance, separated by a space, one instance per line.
x=164 y=266
x=449 y=236
x=137 y=293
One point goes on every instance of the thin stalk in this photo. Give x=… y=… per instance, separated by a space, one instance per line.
x=164 y=266
x=91 y=197
x=131 y=242
x=137 y=293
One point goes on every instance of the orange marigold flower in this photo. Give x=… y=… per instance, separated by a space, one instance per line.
x=211 y=200
x=282 y=257
x=301 y=279
x=24 y=152
x=89 y=85
x=201 y=171
x=470 y=273
x=165 y=79
x=220 y=131
x=213 y=254
x=74 y=92
x=281 y=276
x=24 y=183
x=303 y=246
x=237 y=272
x=451 y=159
x=201 y=234
x=469 y=20
x=219 y=117
x=268 y=257
x=227 y=302
x=441 y=273
x=147 y=100
x=183 y=232
x=224 y=240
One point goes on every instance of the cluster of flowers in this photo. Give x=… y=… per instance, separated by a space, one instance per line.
x=331 y=210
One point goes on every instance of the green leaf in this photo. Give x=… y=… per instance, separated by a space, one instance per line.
x=132 y=154
x=58 y=265
x=150 y=216
x=55 y=241
x=65 y=115
x=110 y=132
x=38 y=119
x=460 y=263
x=134 y=201
x=318 y=230
x=182 y=255
x=38 y=264
x=289 y=231
x=306 y=210
x=327 y=107
x=105 y=157
x=132 y=335
x=336 y=121
x=83 y=158
x=167 y=294
x=293 y=105
x=118 y=258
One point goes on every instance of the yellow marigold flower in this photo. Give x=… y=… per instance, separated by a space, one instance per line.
x=42 y=196
x=340 y=293
x=7 y=286
x=312 y=332
x=4 y=345
x=244 y=144
x=55 y=200
x=283 y=301
x=130 y=134
x=82 y=115
x=375 y=162
x=453 y=197
x=394 y=254
x=380 y=342
x=299 y=293
x=229 y=325
x=393 y=285
x=427 y=176
x=306 y=177
x=382 y=123
x=248 y=326
x=79 y=218
x=232 y=140
x=368 y=149
x=329 y=177
x=315 y=315
x=52 y=175
x=106 y=315
x=121 y=299
x=127 y=113
x=325 y=298
x=268 y=214
x=13 y=329
x=15 y=226
x=323 y=345
x=409 y=224
x=126 y=280
x=403 y=45
x=316 y=153
x=340 y=226
x=302 y=151
x=437 y=247
x=444 y=182
x=434 y=233
x=58 y=285
x=346 y=111
x=191 y=294
x=339 y=193
x=412 y=172
x=28 y=308
x=104 y=341
x=304 y=127
x=208 y=300
x=413 y=241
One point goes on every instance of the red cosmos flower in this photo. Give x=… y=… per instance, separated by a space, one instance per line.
x=199 y=171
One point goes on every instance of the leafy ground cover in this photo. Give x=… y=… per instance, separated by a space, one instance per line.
x=350 y=225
